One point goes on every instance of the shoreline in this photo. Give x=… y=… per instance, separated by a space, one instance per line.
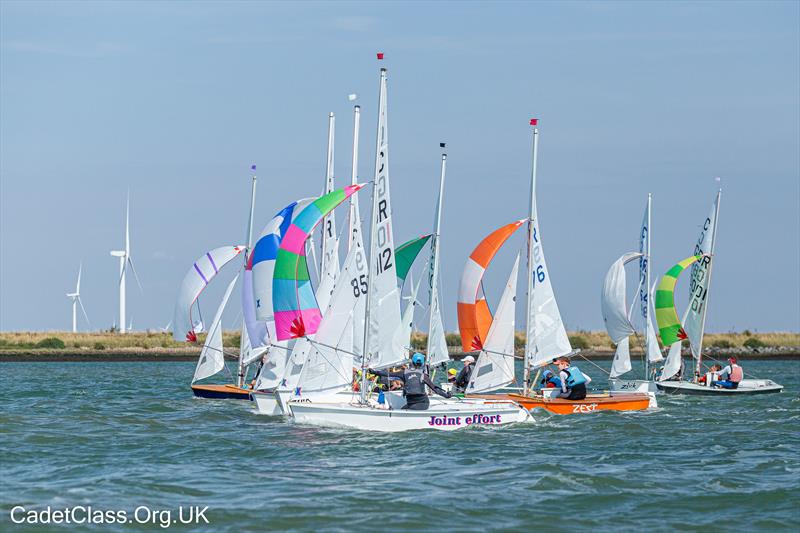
x=190 y=355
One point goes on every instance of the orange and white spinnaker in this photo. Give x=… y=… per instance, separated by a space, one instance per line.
x=474 y=316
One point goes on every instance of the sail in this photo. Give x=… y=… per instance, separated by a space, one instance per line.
x=653 y=352
x=669 y=325
x=437 y=342
x=296 y=311
x=672 y=365
x=615 y=312
x=406 y=254
x=329 y=268
x=474 y=317
x=699 y=281
x=212 y=360
x=495 y=365
x=402 y=337
x=547 y=335
x=256 y=330
x=384 y=297
x=329 y=363
x=204 y=269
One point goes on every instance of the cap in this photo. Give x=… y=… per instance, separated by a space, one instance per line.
x=452 y=372
x=468 y=359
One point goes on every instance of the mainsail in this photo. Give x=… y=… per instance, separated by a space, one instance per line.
x=204 y=269
x=383 y=306
x=495 y=365
x=694 y=321
x=329 y=267
x=474 y=316
x=615 y=313
x=437 y=342
x=296 y=311
x=212 y=360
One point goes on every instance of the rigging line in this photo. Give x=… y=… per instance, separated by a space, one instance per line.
x=342 y=375
x=603 y=370
x=706 y=356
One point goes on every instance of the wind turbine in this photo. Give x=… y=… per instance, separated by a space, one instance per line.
x=124 y=261
x=76 y=299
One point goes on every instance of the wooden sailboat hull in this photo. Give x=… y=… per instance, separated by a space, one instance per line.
x=747 y=386
x=444 y=415
x=592 y=403
x=221 y=392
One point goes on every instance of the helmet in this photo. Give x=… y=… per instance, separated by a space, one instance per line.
x=418 y=359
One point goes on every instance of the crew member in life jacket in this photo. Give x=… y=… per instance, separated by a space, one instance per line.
x=462 y=379
x=730 y=376
x=550 y=381
x=414 y=381
x=573 y=381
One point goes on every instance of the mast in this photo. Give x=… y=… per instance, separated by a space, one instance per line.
x=355 y=223
x=708 y=287
x=328 y=232
x=647 y=292
x=529 y=304
x=433 y=278
x=249 y=236
x=372 y=261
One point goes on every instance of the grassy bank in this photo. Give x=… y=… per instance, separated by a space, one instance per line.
x=160 y=342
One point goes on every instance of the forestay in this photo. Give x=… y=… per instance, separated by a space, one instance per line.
x=474 y=316
x=212 y=359
x=204 y=269
x=495 y=365
x=615 y=312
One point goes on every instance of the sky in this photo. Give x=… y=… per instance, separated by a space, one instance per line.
x=174 y=101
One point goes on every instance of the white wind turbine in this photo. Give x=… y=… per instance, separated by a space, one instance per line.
x=124 y=261
x=76 y=299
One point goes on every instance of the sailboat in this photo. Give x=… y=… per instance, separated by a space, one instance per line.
x=673 y=332
x=380 y=347
x=545 y=338
x=618 y=318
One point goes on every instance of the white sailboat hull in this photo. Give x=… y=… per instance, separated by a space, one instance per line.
x=631 y=385
x=746 y=386
x=266 y=403
x=443 y=415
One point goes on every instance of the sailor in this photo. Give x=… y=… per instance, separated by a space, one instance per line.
x=462 y=379
x=550 y=381
x=730 y=376
x=573 y=381
x=451 y=375
x=414 y=381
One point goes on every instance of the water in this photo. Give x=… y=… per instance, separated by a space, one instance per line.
x=119 y=435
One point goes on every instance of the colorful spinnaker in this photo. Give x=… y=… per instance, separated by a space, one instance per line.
x=204 y=269
x=406 y=254
x=669 y=325
x=295 y=306
x=474 y=316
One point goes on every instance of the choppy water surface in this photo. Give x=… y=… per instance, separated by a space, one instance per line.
x=119 y=435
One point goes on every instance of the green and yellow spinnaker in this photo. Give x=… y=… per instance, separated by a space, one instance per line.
x=669 y=325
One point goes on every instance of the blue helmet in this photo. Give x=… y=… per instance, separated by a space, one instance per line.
x=418 y=359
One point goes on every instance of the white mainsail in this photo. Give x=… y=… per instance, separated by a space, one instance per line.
x=495 y=365
x=672 y=364
x=546 y=335
x=384 y=299
x=645 y=291
x=402 y=338
x=329 y=362
x=212 y=360
x=329 y=267
x=615 y=312
x=437 y=342
x=700 y=280
x=204 y=269
x=653 y=351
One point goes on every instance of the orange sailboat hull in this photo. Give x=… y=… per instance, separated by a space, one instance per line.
x=590 y=404
x=221 y=392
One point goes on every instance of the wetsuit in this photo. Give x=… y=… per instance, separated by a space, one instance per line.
x=578 y=390
x=414 y=382
x=462 y=379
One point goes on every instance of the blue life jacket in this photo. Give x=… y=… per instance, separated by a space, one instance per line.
x=574 y=376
